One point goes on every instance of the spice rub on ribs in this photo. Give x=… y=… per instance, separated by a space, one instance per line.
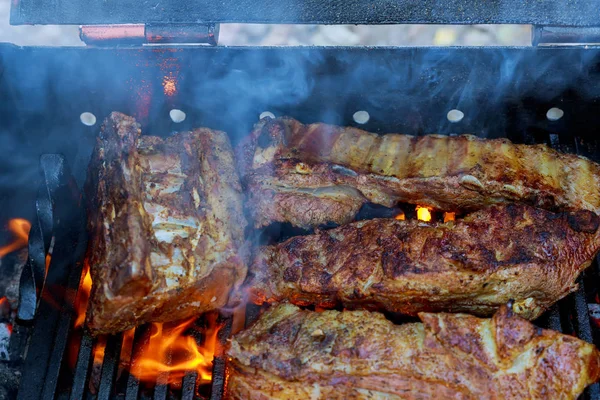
x=474 y=264
x=310 y=175
x=166 y=225
x=294 y=354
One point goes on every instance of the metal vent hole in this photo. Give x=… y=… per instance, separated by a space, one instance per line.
x=554 y=114
x=87 y=118
x=455 y=115
x=177 y=116
x=266 y=114
x=361 y=117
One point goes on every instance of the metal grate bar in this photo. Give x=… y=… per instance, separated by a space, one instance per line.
x=550 y=319
x=82 y=368
x=584 y=331
x=596 y=265
x=252 y=313
x=554 y=319
x=18 y=342
x=38 y=361
x=133 y=388
x=140 y=341
x=582 y=318
x=583 y=327
x=218 y=371
x=188 y=387
x=218 y=378
x=160 y=391
x=110 y=366
x=69 y=242
x=62 y=332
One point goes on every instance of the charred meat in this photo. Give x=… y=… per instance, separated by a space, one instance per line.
x=309 y=175
x=293 y=354
x=474 y=264
x=166 y=225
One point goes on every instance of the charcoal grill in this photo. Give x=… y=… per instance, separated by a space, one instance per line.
x=503 y=92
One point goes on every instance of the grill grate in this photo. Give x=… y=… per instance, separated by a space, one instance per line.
x=43 y=370
x=50 y=329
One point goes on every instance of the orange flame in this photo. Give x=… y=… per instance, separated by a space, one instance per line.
x=449 y=216
x=81 y=303
x=172 y=352
x=170 y=349
x=83 y=295
x=20 y=229
x=400 y=217
x=423 y=213
x=5 y=309
x=99 y=348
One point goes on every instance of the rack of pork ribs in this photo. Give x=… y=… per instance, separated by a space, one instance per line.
x=527 y=227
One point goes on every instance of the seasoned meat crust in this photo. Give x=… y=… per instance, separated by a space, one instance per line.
x=474 y=264
x=166 y=225
x=312 y=174
x=293 y=354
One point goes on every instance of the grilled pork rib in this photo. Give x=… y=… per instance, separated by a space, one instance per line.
x=312 y=174
x=475 y=264
x=166 y=225
x=293 y=354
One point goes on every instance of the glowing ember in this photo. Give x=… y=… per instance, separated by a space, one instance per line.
x=169 y=85
x=171 y=351
x=423 y=213
x=5 y=308
x=400 y=217
x=20 y=229
x=449 y=216
x=83 y=295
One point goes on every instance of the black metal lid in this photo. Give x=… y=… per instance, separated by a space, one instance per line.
x=537 y=12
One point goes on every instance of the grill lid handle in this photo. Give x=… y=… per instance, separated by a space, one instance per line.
x=139 y=34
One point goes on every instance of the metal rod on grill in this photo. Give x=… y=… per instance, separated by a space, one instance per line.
x=554 y=319
x=162 y=380
x=160 y=391
x=140 y=341
x=584 y=330
x=82 y=367
x=62 y=332
x=188 y=386
x=219 y=366
x=110 y=366
x=252 y=313
x=44 y=355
